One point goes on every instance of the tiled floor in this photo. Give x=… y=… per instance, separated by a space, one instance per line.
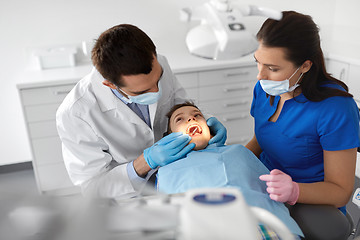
x=20 y=184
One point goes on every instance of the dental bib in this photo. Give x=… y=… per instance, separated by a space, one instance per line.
x=224 y=166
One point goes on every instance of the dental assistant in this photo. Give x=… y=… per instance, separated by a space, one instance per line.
x=117 y=111
x=306 y=122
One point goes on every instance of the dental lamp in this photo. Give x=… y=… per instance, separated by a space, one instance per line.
x=221 y=34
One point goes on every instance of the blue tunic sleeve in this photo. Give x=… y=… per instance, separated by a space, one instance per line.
x=338 y=124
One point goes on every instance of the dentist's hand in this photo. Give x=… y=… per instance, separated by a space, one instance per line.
x=218 y=129
x=281 y=187
x=168 y=149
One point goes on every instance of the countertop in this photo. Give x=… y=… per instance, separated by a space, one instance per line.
x=179 y=62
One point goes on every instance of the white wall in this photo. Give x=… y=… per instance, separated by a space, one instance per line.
x=28 y=24
x=346 y=30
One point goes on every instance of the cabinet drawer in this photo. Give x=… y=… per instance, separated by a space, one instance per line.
x=240 y=104
x=243 y=140
x=225 y=91
x=43 y=129
x=52 y=177
x=193 y=94
x=188 y=80
x=43 y=95
x=232 y=75
x=38 y=113
x=237 y=124
x=47 y=150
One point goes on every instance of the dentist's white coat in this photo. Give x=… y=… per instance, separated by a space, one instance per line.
x=100 y=134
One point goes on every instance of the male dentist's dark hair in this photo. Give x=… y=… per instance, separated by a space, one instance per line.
x=121 y=51
x=299 y=36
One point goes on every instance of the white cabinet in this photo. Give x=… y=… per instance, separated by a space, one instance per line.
x=338 y=69
x=39 y=107
x=347 y=72
x=190 y=82
x=225 y=94
x=354 y=82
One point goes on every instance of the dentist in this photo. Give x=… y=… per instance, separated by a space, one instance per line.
x=306 y=126
x=119 y=110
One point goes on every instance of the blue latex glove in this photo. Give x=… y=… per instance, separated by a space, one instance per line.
x=218 y=129
x=168 y=149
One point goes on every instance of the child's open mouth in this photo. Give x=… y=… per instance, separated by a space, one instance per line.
x=193 y=129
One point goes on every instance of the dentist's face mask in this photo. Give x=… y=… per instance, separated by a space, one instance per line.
x=145 y=98
x=275 y=88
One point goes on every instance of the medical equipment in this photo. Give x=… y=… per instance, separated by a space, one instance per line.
x=356 y=197
x=157 y=216
x=195 y=129
x=55 y=57
x=30 y=220
x=222 y=213
x=222 y=34
x=356 y=201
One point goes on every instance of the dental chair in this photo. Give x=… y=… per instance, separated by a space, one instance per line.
x=323 y=222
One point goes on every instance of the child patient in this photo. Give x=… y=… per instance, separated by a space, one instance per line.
x=216 y=165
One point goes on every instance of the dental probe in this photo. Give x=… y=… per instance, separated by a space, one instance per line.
x=193 y=132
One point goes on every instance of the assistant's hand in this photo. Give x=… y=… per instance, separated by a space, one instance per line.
x=218 y=129
x=281 y=187
x=168 y=149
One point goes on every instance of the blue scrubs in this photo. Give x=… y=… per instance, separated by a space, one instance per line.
x=295 y=142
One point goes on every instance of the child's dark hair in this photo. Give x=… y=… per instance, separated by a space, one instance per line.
x=173 y=109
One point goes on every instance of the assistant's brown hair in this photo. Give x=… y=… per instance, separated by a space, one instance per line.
x=123 y=50
x=299 y=36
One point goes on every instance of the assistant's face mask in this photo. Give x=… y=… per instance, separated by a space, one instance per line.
x=275 y=88
x=145 y=98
